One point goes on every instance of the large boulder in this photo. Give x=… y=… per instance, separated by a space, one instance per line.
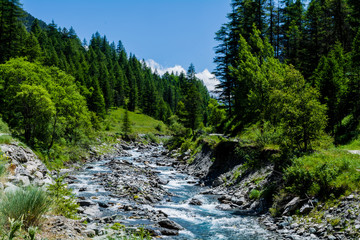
x=167 y=223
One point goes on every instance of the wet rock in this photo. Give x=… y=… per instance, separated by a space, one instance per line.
x=82 y=189
x=217 y=182
x=108 y=219
x=125 y=147
x=90 y=233
x=128 y=208
x=167 y=223
x=150 y=198
x=85 y=203
x=169 y=232
x=80 y=210
x=103 y=205
x=196 y=202
x=224 y=207
x=163 y=181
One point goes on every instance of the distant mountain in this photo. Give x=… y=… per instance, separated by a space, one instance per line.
x=28 y=20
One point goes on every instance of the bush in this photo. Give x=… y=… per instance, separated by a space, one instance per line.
x=151 y=138
x=254 y=194
x=321 y=174
x=26 y=204
x=4 y=127
x=64 y=200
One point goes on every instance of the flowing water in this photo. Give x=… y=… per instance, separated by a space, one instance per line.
x=199 y=222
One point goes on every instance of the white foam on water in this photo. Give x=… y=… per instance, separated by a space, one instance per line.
x=187 y=233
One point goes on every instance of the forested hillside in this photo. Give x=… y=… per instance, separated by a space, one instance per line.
x=294 y=64
x=53 y=87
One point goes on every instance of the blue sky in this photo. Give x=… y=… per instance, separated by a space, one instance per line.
x=170 y=32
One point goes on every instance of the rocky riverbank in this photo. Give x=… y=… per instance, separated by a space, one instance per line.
x=117 y=190
x=249 y=192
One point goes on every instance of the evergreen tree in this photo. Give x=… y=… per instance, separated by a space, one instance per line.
x=126 y=126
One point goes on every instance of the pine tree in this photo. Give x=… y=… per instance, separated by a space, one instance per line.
x=126 y=126
x=10 y=28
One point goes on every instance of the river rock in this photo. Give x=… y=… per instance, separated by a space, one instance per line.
x=196 y=202
x=103 y=205
x=85 y=203
x=169 y=232
x=90 y=233
x=167 y=223
x=163 y=181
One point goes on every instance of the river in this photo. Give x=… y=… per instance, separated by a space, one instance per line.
x=203 y=221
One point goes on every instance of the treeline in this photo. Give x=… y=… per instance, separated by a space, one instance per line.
x=292 y=65
x=54 y=87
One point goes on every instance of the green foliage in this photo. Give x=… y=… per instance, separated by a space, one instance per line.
x=4 y=127
x=151 y=138
x=217 y=115
x=254 y=194
x=263 y=135
x=5 y=139
x=64 y=200
x=320 y=174
x=46 y=103
x=15 y=226
x=302 y=116
x=126 y=126
x=25 y=204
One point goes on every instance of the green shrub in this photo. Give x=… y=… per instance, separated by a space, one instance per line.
x=160 y=127
x=254 y=194
x=26 y=204
x=151 y=138
x=64 y=200
x=321 y=174
x=4 y=127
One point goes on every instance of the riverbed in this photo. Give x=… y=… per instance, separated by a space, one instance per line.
x=140 y=186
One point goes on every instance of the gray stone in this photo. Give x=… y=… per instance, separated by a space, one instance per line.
x=331 y=237
x=312 y=230
x=292 y=205
x=24 y=180
x=169 y=232
x=167 y=223
x=350 y=197
x=39 y=175
x=85 y=203
x=196 y=202
x=312 y=236
x=90 y=233
x=9 y=187
x=103 y=205
x=306 y=209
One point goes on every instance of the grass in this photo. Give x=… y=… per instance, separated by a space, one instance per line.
x=5 y=139
x=25 y=204
x=140 y=123
x=4 y=127
x=353 y=145
x=323 y=173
